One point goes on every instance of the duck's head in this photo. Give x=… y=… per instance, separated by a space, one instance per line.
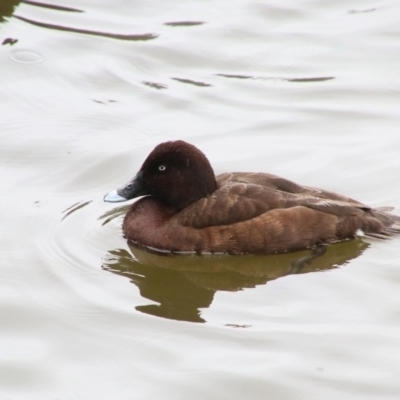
x=176 y=173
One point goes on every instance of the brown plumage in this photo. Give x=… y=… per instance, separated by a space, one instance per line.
x=188 y=209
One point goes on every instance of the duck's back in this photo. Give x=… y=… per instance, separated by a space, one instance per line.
x=280 y=184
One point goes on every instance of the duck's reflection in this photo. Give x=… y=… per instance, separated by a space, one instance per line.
x=183 y=285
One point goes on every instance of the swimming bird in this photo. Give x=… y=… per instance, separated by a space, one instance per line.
x=187 y=209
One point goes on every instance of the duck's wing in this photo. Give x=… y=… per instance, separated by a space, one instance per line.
x=281 y=184
x=231 y=204
x=238 y=202
x=318 y=199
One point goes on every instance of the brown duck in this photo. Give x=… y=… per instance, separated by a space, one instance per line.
x=187 y=209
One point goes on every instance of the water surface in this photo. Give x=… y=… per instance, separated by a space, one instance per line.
x=304 y=89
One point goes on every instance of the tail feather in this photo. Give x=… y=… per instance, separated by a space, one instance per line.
x=391 y=222
x=384 y=209
x=380 y=235
x=393 y=229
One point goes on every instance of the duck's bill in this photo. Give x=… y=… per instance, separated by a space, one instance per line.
x=132 y=189
x=114 y=197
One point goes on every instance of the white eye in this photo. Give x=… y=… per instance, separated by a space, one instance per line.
x=162 y=167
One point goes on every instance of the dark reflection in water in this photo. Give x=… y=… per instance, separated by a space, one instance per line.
x=312 y=79
x=155 y=85
x=75 y=207
x=361 y=11
x=177 y=296
x=190 y=82
x=51 y=6
x=146 y=36
x=236 y=76
x=317 y=79
x=184 y=23
x=7 y=8
x=9 y=41
x=114 y=213
x=183 y=285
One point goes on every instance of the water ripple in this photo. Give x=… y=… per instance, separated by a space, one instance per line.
x=184 y=23
x=26 y=56
x=52 y=6
x=138 y=37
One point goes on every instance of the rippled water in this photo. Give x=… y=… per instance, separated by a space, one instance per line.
x=308 y=90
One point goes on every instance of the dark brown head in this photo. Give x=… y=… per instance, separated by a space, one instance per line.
x=176 y=173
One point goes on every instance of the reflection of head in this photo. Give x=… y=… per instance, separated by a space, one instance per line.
x=177 y=298
x=7 y=8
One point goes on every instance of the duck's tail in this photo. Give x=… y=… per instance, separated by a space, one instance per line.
x=390 y=222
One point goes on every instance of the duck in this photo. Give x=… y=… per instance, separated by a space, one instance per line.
x=185 y=208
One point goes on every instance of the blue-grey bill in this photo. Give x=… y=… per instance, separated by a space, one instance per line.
x=113 y=197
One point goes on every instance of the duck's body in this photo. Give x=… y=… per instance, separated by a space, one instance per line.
x=190 y=210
